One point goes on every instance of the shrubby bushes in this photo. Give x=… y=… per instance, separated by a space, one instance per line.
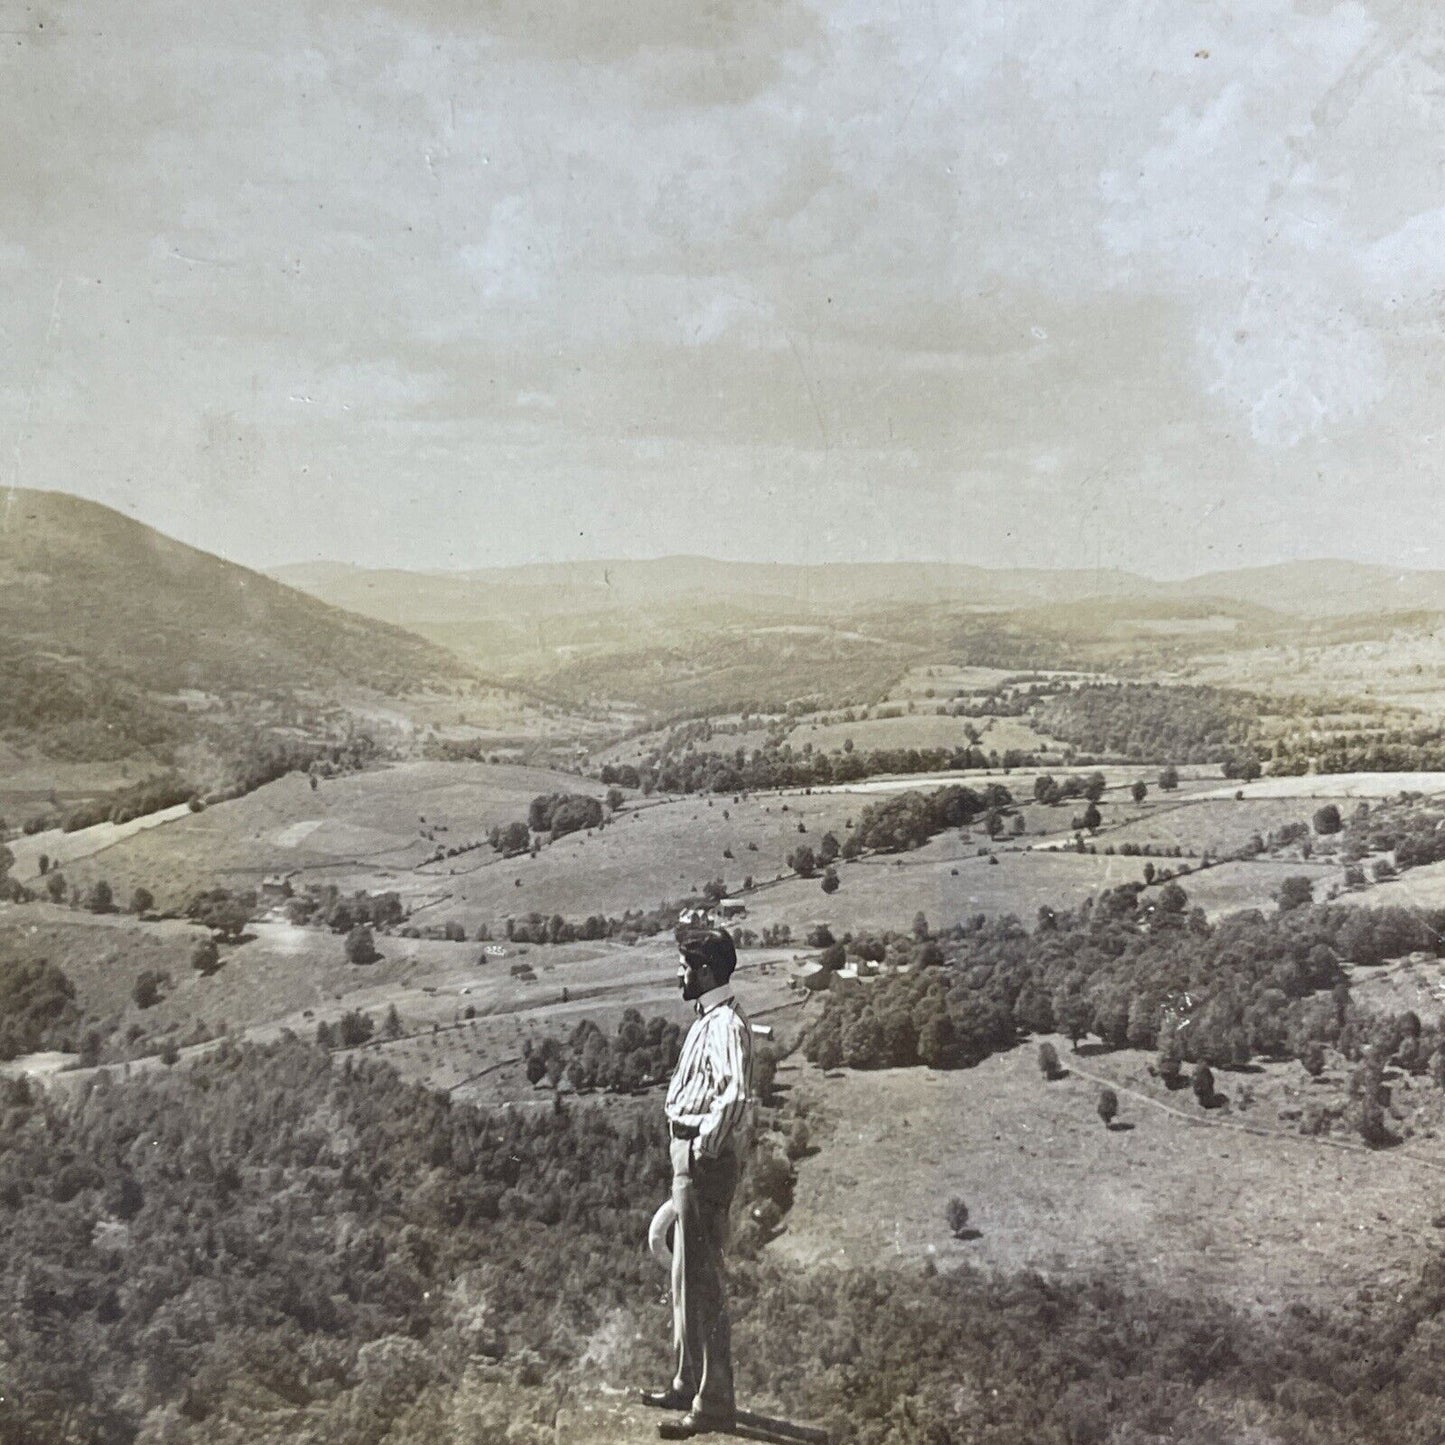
x=265 y=1244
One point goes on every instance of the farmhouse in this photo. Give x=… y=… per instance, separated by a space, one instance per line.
x=812 y=977
x=732 y=908
x=275 y=888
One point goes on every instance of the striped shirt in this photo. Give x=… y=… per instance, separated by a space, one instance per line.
x=711 y=1087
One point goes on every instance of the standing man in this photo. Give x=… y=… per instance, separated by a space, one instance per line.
x=707 y=1106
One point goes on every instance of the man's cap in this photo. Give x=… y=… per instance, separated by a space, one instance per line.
x=711 y=946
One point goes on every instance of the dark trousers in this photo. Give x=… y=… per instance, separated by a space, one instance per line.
x=701 y=1331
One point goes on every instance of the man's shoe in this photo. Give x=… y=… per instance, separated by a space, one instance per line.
x=668 y=1399
x=696 y=1422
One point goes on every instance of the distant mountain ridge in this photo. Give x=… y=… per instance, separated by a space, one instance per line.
x=1324 y=588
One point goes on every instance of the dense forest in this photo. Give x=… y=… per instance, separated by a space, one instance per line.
x=267 y=1244
x=1148 y=722
x=82 y=714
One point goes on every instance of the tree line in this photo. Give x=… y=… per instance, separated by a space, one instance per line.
x=783 y=766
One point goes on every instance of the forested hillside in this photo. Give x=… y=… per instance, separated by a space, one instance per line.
x=102 y=616
x=1152 y=723
x=266 y=1244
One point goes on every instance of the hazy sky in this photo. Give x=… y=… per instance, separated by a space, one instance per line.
x=466 y=282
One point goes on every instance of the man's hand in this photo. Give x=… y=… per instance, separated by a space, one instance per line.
x=681 y=1152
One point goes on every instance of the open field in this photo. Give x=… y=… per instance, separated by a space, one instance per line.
x=463 y=1011
x=367 y=831
x=381 y=824
x=1206 y=822
x=924 y=729
x=1228 y=887
x=947 y=881
x=656 y=851
x=1415 y=888
x=63 y=849
x=1181 y=1202
x=1325 y=786
x=1406 y=669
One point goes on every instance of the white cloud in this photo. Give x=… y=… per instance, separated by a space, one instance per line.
x=783 y=242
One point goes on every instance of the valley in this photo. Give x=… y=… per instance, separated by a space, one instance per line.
x=988 y=858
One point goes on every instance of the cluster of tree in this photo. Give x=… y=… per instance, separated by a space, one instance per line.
x=1243 y=764
x=1410 y=828
x=356 y=1027
x=894 y=949
x=623 y=775
x=1134 y=968
x=535 y=927
x=1001 y=701
x=174 y=1271
x=492 y=749
x=557 y=814
x=1050 y=790
x=908 y=820
x=225 y=913
x=37 y=1008
x=805 y=862
x=130 y=1220
x=641 y=1052
x=1150 y=722
x=511 y=839
x=1393 y=750
x=910 y=1019
x=324 y=903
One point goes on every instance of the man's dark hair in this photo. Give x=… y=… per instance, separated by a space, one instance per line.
x=711 y=946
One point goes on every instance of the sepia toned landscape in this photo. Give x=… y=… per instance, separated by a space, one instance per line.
x=946 y=494
x=338 y=997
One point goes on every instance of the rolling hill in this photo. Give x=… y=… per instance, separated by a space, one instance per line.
x=102 y=619
x=1311 y=589
x=686 y=633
